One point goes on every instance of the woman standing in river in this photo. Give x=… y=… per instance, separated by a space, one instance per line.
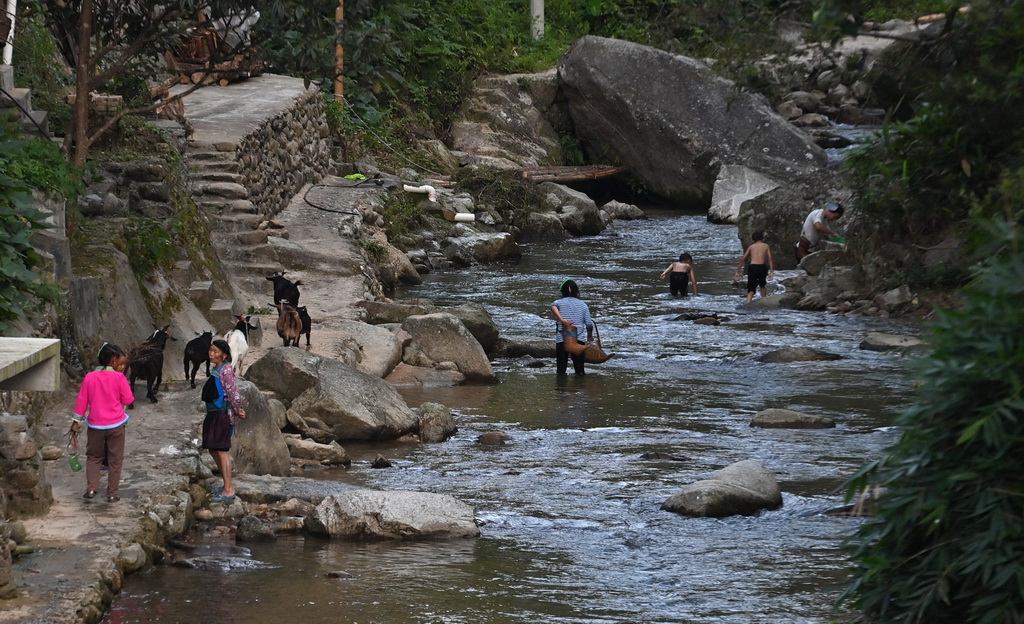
x=223 y=404
x=571 y=314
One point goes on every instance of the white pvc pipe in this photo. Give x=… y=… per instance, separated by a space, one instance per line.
x=465 y=217
x=426 y=188
x=12 y=10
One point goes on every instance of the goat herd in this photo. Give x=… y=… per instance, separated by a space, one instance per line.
x=146 y=361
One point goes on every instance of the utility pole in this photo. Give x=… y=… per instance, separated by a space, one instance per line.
x=12 y=10
x=537 y=19
x=339 y=83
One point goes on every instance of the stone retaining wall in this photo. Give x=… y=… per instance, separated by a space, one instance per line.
x=285 y=153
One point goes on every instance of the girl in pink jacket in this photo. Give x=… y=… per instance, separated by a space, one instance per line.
x=101 y=401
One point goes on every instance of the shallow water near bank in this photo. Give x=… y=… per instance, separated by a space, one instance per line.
x=572 y=529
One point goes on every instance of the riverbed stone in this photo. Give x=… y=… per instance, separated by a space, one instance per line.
x=539 y=227
x=427 y=377
x=395 y=515
x=734 y=185
x=797 y=354
x=330 y=453
x=741 y=489
x=775 y=418
x=442 y=337
x=436 y=423
x=254 y=529
x=880 y=341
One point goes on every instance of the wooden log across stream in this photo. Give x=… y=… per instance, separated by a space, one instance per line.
x=570 y=174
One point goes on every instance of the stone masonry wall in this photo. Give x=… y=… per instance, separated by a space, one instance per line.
x=285 y=153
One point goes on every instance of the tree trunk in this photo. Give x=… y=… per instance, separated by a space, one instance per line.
x=80 y=117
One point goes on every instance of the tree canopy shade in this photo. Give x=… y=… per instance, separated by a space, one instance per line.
x=106 y=39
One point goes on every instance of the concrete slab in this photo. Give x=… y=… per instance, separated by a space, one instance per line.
x=30 y=364
x=226 y=114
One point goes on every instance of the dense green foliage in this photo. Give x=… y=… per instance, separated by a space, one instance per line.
x=947 y=544
x=20 y=283
x=939 y=168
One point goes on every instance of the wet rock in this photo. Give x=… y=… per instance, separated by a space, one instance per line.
x=397 y=515
x=253 y=529
x=132 y=558
x=442 y=337
x=623 y=212
x=743 y=488
x=436 y=423
x=520 y=347
x=258 y=446
x=797 y=354
x=494 y=438
x=330 y=453
x=789 y=419
x=878 y=341
x=381 y=462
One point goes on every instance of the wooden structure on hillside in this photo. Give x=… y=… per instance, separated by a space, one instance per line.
x=194 y=59
x=571 y=174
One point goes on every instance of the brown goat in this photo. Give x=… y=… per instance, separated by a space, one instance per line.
x=289 y=325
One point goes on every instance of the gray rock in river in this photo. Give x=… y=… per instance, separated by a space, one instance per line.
x=797 y=354
x=740 y=489
x=398 y=515
x=789 y=419
x=443 y=338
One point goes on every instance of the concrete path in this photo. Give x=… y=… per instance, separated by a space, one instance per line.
x=77 y=542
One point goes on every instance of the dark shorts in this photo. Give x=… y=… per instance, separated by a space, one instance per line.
x=678 y=282
x=757 y=275
x=217 y=431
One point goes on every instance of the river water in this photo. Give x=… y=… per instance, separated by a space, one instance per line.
x=572 y=530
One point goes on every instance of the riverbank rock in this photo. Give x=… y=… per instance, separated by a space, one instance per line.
x=258 y=446
x=474 y=316
x=797 y=354
x=741 y=489
x=519 y=347
x=675 y=123
x=398 y=515
x=377 y=349
x=480 y=248
x=789 y=419
x=24 y=490
x=442 y=337
x=409 y=375
x=878 y=341
x=736 y=184
x=330 y=454
x=436 y=423
x=354 y=405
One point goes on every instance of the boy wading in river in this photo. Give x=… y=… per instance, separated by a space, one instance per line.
x=680 y=274
x=761 y=269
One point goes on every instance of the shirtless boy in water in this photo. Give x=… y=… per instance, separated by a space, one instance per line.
x=761 y=269
x=681 y=275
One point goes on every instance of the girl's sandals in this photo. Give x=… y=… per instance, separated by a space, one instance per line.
x=222 y=498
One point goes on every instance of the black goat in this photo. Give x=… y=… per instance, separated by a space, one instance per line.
x=284 y=289
x=147 y=361
x=197 y=351
x=307 y=323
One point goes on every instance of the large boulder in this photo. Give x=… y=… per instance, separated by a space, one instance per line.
x=741 y=489
x=378 y=350
x=354 y=405
x=443 y=338
x=673 y=122
x=474 y=316
x=735 y=185
x=398 y=515
x=258 y=446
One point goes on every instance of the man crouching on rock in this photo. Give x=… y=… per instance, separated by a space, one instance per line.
x=816 y=225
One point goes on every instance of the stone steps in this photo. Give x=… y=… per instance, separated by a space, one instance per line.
x=20 y=101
